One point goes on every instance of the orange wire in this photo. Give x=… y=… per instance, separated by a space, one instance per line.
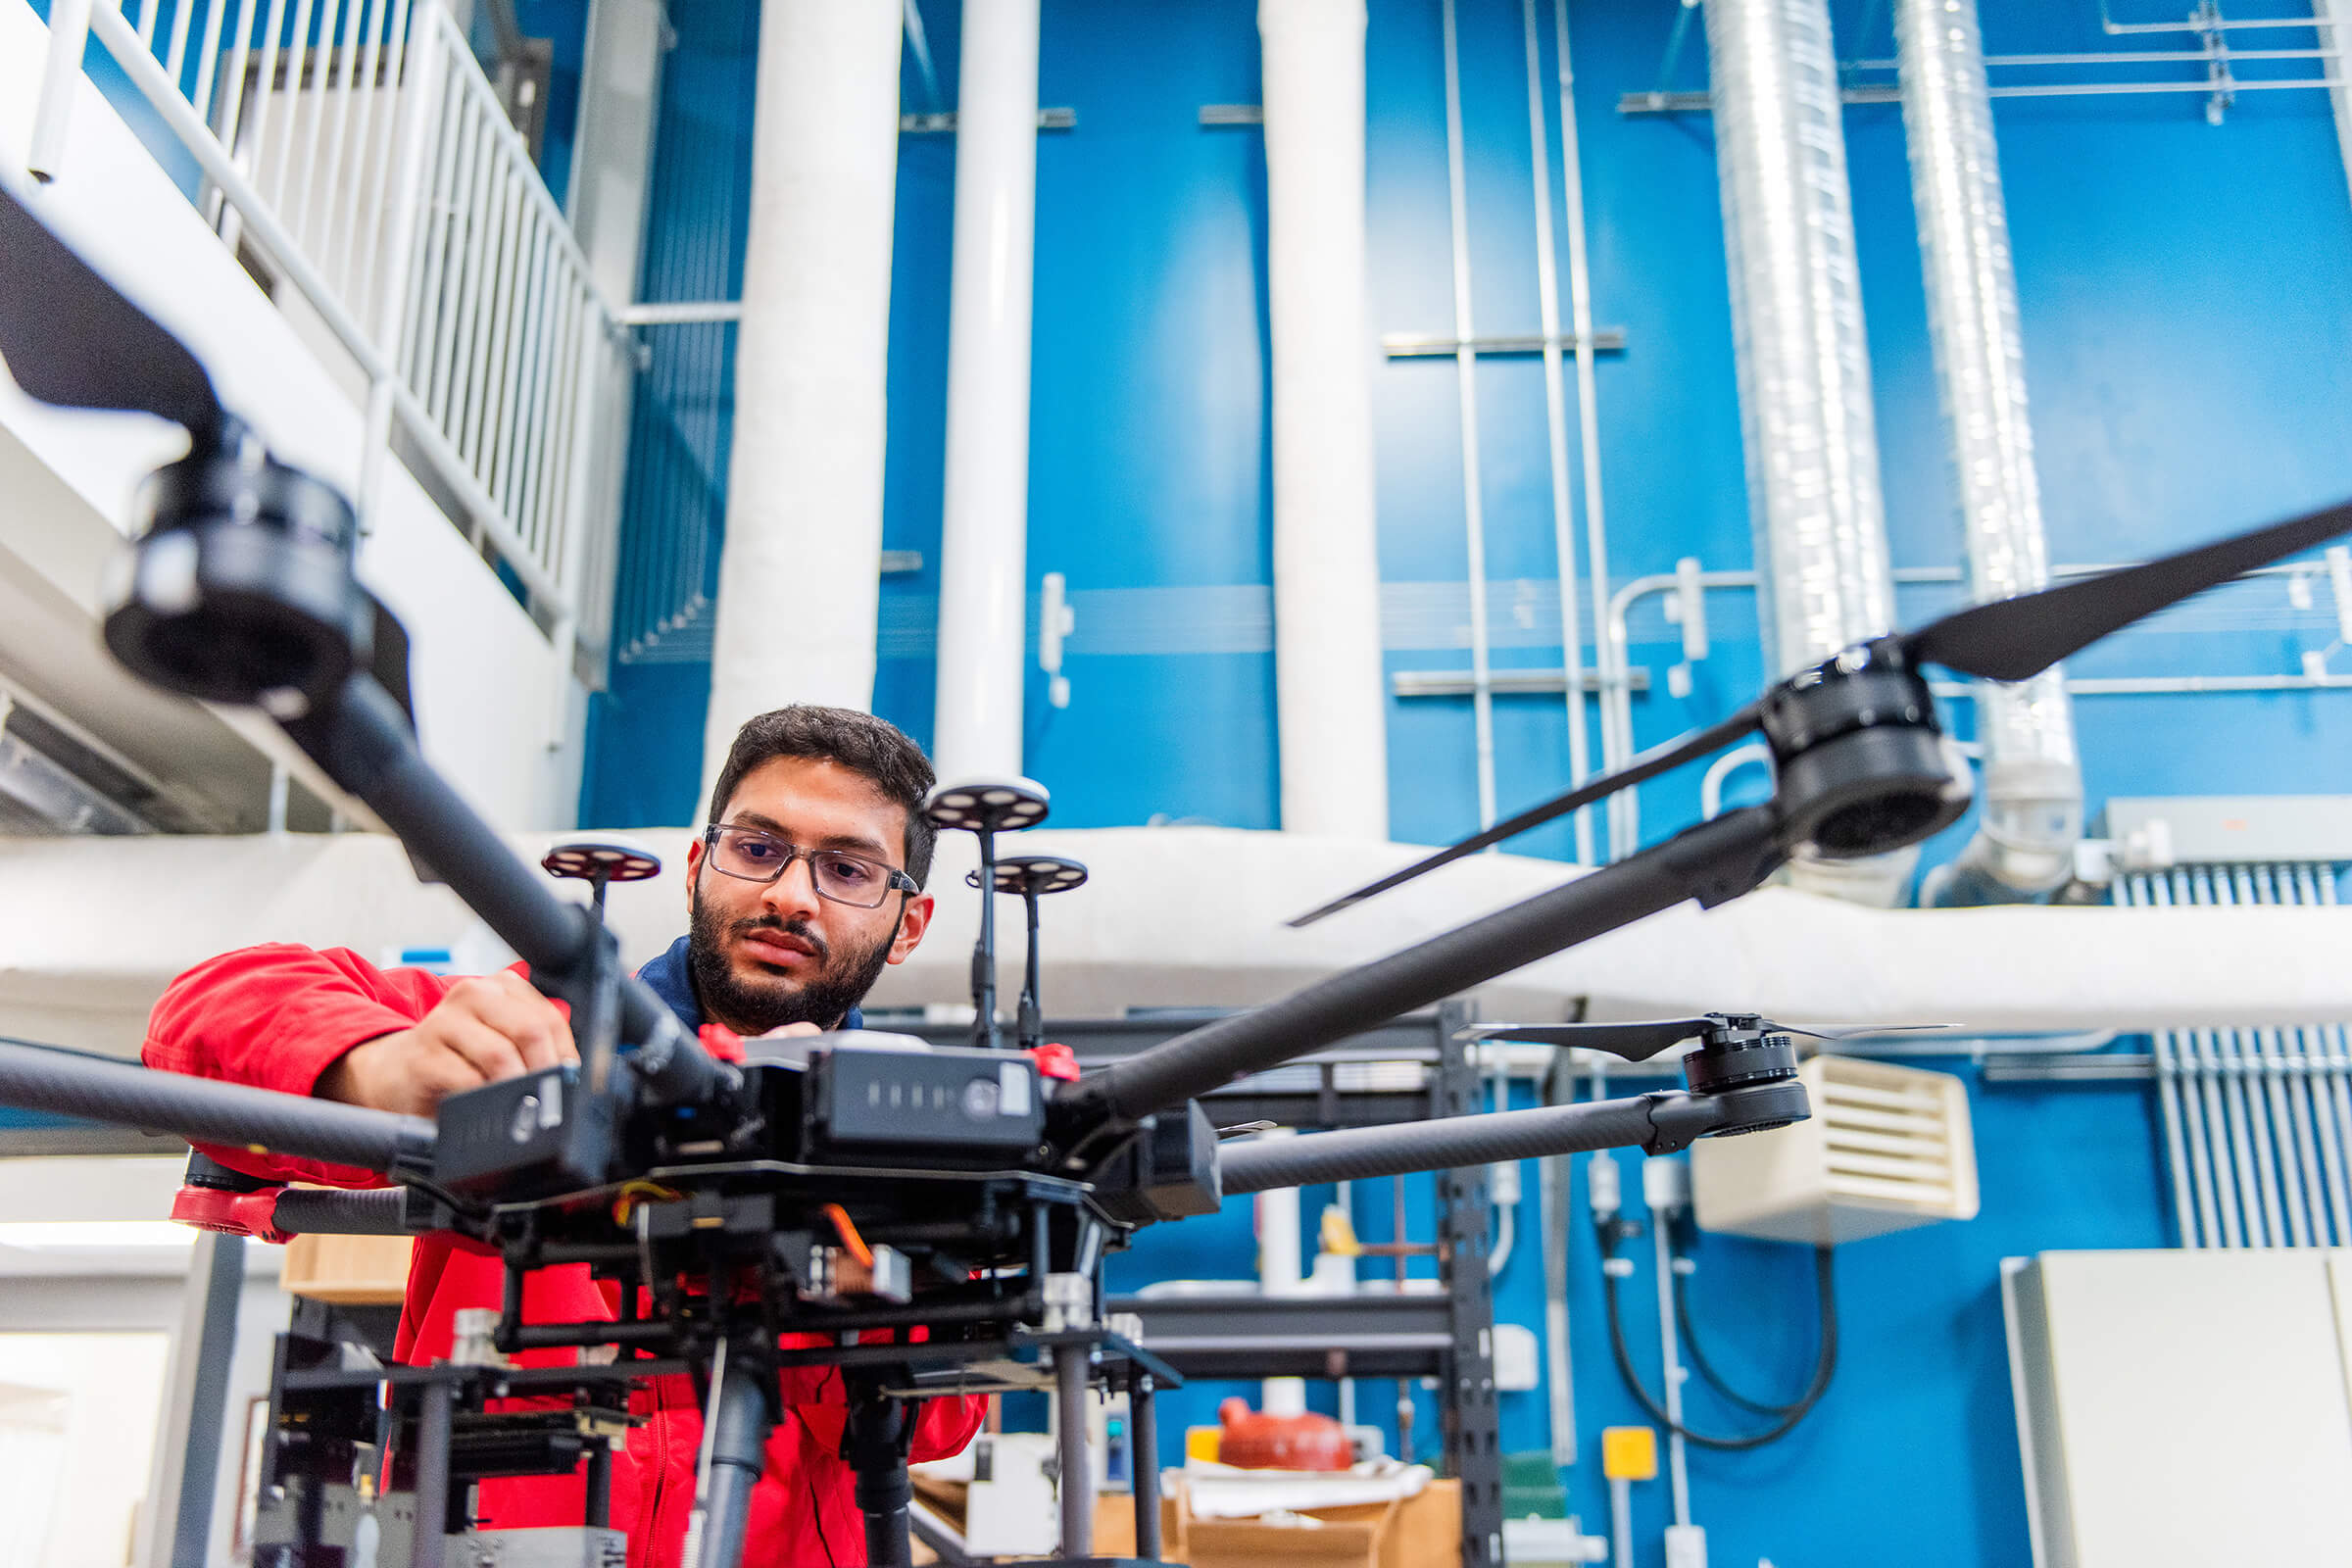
x=847 y=1232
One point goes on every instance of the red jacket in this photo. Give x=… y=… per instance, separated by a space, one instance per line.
x=277 y=1017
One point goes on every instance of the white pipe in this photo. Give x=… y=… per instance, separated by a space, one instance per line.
x=2337 y=36
x=799 y=577
x=2291 y=1099
x=1465 y=361
x=2193 y=1214
x=2294 y=886
x=611 y=164
x=1678 y=1473
x=1616 y=731
x=1502 y=1177
x=1710 y=788
x=983 y=554
x=1279 y=1273
x=1506 y=1235
x=1555 y=426
x=1331 y=711
x=2316 y=885
x=61 y=80
x=2032 y=815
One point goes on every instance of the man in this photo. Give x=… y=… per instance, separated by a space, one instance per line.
x=805 y=883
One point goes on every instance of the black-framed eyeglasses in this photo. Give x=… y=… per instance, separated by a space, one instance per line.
x=752 y=856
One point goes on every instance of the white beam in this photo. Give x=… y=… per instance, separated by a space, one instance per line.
x=984 y=542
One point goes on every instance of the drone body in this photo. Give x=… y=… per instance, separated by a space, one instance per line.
x=721 y=1194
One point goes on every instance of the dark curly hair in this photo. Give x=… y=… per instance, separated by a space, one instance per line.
x=873 y=749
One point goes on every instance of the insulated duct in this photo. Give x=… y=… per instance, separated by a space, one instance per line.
x=984 y=541
x=1804 y=368
x=1332 y=713
x=804 y=481
x=2032 y=786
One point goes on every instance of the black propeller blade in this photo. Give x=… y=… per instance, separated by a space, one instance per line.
x=72 y=338
x=2016 y=639
x=1635 y=1042
x=1852 y=1031
x=1642 y=1040
x=1648 y=765
x=2007 y=640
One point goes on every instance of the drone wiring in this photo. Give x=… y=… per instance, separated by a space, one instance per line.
x=1825 y=1365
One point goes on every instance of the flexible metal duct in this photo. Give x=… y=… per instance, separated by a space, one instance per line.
x=1796 y=324
x=2032 y=786
x=1804 y=370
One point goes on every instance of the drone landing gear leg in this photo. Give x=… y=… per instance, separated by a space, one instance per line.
x=434 y=1427
x=1072 y=1372
x=1144 y=1437
x=598 y=1510
x=735 y=1429
x=875 y=1441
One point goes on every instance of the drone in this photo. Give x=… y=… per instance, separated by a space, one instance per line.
x=719 y=1182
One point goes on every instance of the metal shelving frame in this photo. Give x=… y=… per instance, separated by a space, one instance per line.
x=1447 y=1335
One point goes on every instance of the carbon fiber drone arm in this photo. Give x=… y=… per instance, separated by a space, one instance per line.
x=69 y=1084
x=362 y=737
x=1713 y=862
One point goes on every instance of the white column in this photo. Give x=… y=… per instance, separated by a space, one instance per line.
x=982 y=556
x=1329 y=707
x=1279 y=1273
x=612 y=161
x=2338 y=34
x=799 y=582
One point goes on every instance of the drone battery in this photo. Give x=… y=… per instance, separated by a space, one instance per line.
x=523 y=1137
x=937 y=1103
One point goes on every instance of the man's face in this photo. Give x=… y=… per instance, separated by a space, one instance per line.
x=767 y=954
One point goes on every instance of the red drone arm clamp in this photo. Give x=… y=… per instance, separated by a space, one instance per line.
x=1055 y=1062
x=211 y=1209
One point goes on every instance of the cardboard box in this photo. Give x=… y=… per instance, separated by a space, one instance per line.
x=1115 y=1517
x=348 y=1270
x=1423 y=1530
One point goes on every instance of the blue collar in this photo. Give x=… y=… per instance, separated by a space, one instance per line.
x=672 y=980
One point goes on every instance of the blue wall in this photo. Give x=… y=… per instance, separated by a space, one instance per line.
x=1912 y=1455
x=2184 y=292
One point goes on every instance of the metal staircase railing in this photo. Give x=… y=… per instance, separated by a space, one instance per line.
x=353 y=152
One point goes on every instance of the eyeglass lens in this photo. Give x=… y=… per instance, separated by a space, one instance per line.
x=843 y=878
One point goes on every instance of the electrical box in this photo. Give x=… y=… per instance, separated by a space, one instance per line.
x=2181 y=1410
x=2152 y=832
x=1887 y=1148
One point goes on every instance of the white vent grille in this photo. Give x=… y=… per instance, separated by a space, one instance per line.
x=1886 y=1149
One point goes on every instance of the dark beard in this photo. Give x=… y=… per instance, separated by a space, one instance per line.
x=824 y=1000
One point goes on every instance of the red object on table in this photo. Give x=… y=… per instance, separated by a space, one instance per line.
x=1256 y=1441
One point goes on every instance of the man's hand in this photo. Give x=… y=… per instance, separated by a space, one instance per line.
x=487 y=1028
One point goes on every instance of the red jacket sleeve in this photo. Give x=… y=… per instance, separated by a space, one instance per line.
x=944 y=1426
x=277 y=1017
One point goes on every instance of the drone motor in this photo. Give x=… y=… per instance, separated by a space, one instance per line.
x=241 y=589
x=1862 y=763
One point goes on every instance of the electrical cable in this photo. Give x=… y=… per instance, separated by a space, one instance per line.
x=1824 y=1368
x=1704 y=1367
